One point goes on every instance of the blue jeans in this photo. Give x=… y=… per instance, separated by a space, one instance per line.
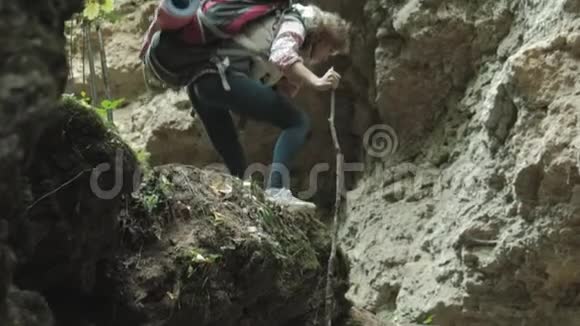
x=250 y=98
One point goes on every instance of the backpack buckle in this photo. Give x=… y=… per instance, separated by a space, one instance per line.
x=222 y=65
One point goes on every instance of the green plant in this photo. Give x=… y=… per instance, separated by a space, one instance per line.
x=95 y=9
x=165 y=186
x=143 y=157
x=84 y=98
x=150 y=201
x=266 y=214
x=103 y=107
x=79 y=100
x=195 y=257
x=155 y=193
x=109 y=105
x=94 y=14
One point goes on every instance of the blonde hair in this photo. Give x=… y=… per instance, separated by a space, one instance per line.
x=327 y=26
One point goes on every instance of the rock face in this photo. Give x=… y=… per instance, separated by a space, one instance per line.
x=122 y=42
x=474 y=222
x=163 y=126
x=33 y=73
x=68 y=227
x=79 y=176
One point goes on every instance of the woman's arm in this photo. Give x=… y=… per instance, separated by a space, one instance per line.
x=299 y=73
x=285 y=55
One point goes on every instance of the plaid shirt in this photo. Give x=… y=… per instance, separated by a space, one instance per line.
x=285 y=50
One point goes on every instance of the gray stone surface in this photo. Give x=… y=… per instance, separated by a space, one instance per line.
x=475 y=225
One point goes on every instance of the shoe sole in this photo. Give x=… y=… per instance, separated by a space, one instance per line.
x=292 y=205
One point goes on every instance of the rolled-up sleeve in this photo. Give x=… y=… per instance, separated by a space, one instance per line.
x=286 y=45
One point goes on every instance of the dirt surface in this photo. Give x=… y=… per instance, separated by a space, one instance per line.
x=207 y=249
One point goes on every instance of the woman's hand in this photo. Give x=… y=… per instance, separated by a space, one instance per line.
x=330 y=80
x=299 y=73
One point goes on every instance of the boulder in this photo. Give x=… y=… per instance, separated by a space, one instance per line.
x=211 y=251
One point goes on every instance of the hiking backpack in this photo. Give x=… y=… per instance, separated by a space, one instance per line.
x=183 y=39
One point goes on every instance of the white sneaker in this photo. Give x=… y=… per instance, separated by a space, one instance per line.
x=284 y=197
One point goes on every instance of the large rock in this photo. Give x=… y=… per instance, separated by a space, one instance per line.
x=78 y=178
x=32 y=75
x=55 y=230
x=68 y=228
x=26 y=308
x=432 y=49
x=163 y=126
x=478 y=227
x=209 y=251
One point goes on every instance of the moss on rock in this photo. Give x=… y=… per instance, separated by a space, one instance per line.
x=78 y=176
x=222 y=255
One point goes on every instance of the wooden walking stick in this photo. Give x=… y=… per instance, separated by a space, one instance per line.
x=329 y=302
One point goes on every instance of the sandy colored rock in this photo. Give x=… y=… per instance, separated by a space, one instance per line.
x=122 y=40
x=163 y=126
x=481 y=235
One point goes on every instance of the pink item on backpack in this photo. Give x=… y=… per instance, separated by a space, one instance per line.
x=167 y=17
x=211 y=20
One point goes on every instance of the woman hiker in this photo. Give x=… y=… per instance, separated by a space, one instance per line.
x=306 y=35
